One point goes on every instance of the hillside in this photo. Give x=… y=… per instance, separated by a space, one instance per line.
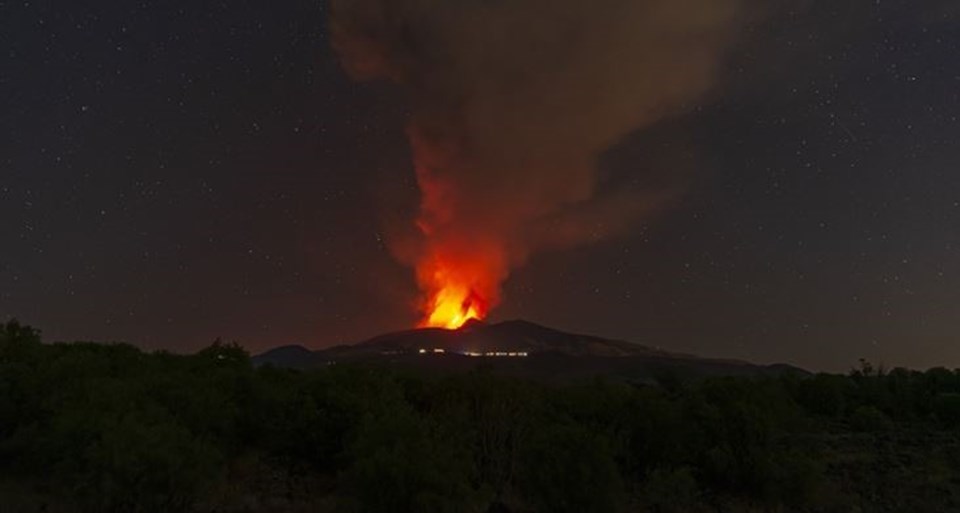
x=516 y=347
x=108 y=428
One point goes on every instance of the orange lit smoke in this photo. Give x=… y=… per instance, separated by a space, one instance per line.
x=512 y=104
x=452 y=295
x=459 y=271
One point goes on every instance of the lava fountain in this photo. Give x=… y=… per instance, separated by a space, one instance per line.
x=512 y=104
x=451 y=304
x=459 y=278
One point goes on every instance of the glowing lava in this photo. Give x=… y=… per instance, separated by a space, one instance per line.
x=455 y=291
x=462 y=261
x=451 y=307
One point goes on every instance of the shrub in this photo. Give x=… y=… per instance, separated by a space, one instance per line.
x=868 y=419
x=568 y=469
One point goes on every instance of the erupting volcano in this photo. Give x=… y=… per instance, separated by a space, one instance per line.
x=455 y=290
x=511 y=104
x=459 y=270
x=451 y=306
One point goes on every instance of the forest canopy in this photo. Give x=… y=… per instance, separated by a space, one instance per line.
x=111 y=428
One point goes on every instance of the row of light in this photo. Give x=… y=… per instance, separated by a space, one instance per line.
x=499 y=353
x=475 y=354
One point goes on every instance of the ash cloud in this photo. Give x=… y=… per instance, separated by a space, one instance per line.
x=513 y=101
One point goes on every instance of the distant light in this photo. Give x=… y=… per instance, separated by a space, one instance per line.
x=508 y=354
x=423 y=351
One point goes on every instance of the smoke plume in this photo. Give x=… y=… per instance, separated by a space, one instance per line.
x=512 y=102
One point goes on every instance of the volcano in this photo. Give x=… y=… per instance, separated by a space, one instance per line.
x=520 y=348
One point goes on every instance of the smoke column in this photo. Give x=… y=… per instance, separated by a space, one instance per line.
x=512 y=102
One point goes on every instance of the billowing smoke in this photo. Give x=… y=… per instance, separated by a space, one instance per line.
x=512 y=103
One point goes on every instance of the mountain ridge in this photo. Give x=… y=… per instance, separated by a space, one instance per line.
x=518 y=347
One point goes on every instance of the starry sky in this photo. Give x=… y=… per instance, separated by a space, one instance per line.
x=171 y=172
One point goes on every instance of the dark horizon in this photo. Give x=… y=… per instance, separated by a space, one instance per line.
x=173 y=173
x=839 y=368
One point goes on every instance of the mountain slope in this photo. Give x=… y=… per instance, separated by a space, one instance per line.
x=508 y=336
x=516 y=347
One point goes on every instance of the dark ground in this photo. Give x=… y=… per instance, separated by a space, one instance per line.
x=108 y=428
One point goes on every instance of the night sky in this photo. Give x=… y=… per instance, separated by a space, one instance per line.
x=171 y=172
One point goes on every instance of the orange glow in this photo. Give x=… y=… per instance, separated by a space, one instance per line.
x=462 y=260
x=451 y=310
x=451 y=299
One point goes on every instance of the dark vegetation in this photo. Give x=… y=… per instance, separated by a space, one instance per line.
x=108 y=428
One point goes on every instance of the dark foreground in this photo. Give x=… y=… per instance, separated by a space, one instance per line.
x=107 y=428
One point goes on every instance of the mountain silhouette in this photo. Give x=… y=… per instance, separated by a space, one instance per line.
x=516 y=347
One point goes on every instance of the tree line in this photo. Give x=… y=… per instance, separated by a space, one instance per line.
x=110 y=428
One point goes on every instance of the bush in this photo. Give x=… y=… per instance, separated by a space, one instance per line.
x=868 y=419
x=672 y=491
x=402 y=463
x=139 y=465
x=946 y=408
x=568 y=469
